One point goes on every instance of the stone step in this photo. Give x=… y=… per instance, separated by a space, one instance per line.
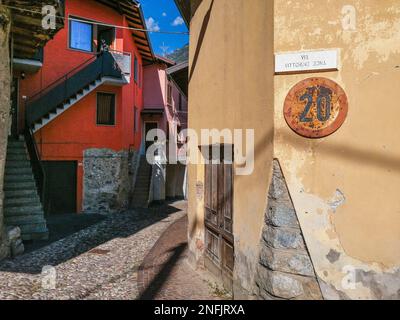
x=16 y=143
x=143 y=178
x=14 y=171
x=17 y=157
x=31 y=214
x=18 y=178
x=142 y=186
x=141 y=197
x=38 y=236
x=144 y=168
x=142 y=182
x=23 y=210
x=16 y=186
x=144 y=173
x=24 y=220
x=17 y=164
x=140 y=204
x=141 y=191
x=34 y=232
x=22 y=201
x=14 y=150
x=16 y=194
x=19 y=147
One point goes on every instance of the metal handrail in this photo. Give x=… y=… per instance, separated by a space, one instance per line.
x=37 y=166
x=104 y=65
x=64 y=77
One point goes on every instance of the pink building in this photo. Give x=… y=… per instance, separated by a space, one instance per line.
x=165 y=107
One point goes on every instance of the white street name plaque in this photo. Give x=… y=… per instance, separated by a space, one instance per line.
x=293 y=62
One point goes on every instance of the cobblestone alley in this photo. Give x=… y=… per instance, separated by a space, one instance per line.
x=132 y=255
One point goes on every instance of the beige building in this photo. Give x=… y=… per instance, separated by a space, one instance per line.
x=319 y=218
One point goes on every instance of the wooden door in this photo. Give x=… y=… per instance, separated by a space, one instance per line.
x=219 y=221
x=61 y=177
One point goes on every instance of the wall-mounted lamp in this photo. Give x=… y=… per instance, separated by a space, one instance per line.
x=23 y=75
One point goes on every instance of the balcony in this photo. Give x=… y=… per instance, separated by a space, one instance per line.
x=105 y=68
x=31 y=65
x=124 y=63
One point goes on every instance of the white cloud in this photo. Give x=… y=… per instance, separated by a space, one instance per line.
x=164 y=14
x=152 y=25
x=178 y=21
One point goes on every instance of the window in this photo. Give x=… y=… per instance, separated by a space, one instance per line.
x=106 y=109
x=136 y=70
x=169 y=94
x=81 y=36
x=136 y=120
x=140 y=76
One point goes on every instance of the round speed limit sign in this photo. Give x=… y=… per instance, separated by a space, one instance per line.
x=316 y=107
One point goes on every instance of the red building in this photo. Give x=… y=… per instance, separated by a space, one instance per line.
x=82 y=100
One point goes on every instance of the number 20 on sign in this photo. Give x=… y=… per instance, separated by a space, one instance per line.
x=316 y=107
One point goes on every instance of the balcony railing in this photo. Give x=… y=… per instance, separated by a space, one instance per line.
x=66 y=87
x=123 y=60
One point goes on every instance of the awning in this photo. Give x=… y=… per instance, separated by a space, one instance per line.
x=179 y=74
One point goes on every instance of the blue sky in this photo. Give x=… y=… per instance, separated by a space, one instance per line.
x=163 y=15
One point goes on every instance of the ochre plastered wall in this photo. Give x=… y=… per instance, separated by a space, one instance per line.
x=345 y=187
x=231 y=87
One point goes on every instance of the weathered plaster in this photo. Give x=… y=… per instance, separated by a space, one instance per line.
x=344 y=187
x=235 y=95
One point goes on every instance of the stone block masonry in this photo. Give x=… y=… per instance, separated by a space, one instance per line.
x=285 y=270
x=5 y=83
x=108 y=180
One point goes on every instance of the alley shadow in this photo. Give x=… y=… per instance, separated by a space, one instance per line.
x=62 y=226
x=160 y=264
x=154 y=287
x=119 y=225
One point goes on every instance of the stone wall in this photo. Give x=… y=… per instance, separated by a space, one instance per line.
x=5 y=80
x=108 y=180
x=285 y=270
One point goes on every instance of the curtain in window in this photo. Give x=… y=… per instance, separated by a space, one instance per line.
x=81 y=36
x=105 y=109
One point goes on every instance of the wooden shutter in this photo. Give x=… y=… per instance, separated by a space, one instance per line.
x=105 y=109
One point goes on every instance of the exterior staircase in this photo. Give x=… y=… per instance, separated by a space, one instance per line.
x=142 y=187
x=58 y=97
x=22 y=206
x=43 y=121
